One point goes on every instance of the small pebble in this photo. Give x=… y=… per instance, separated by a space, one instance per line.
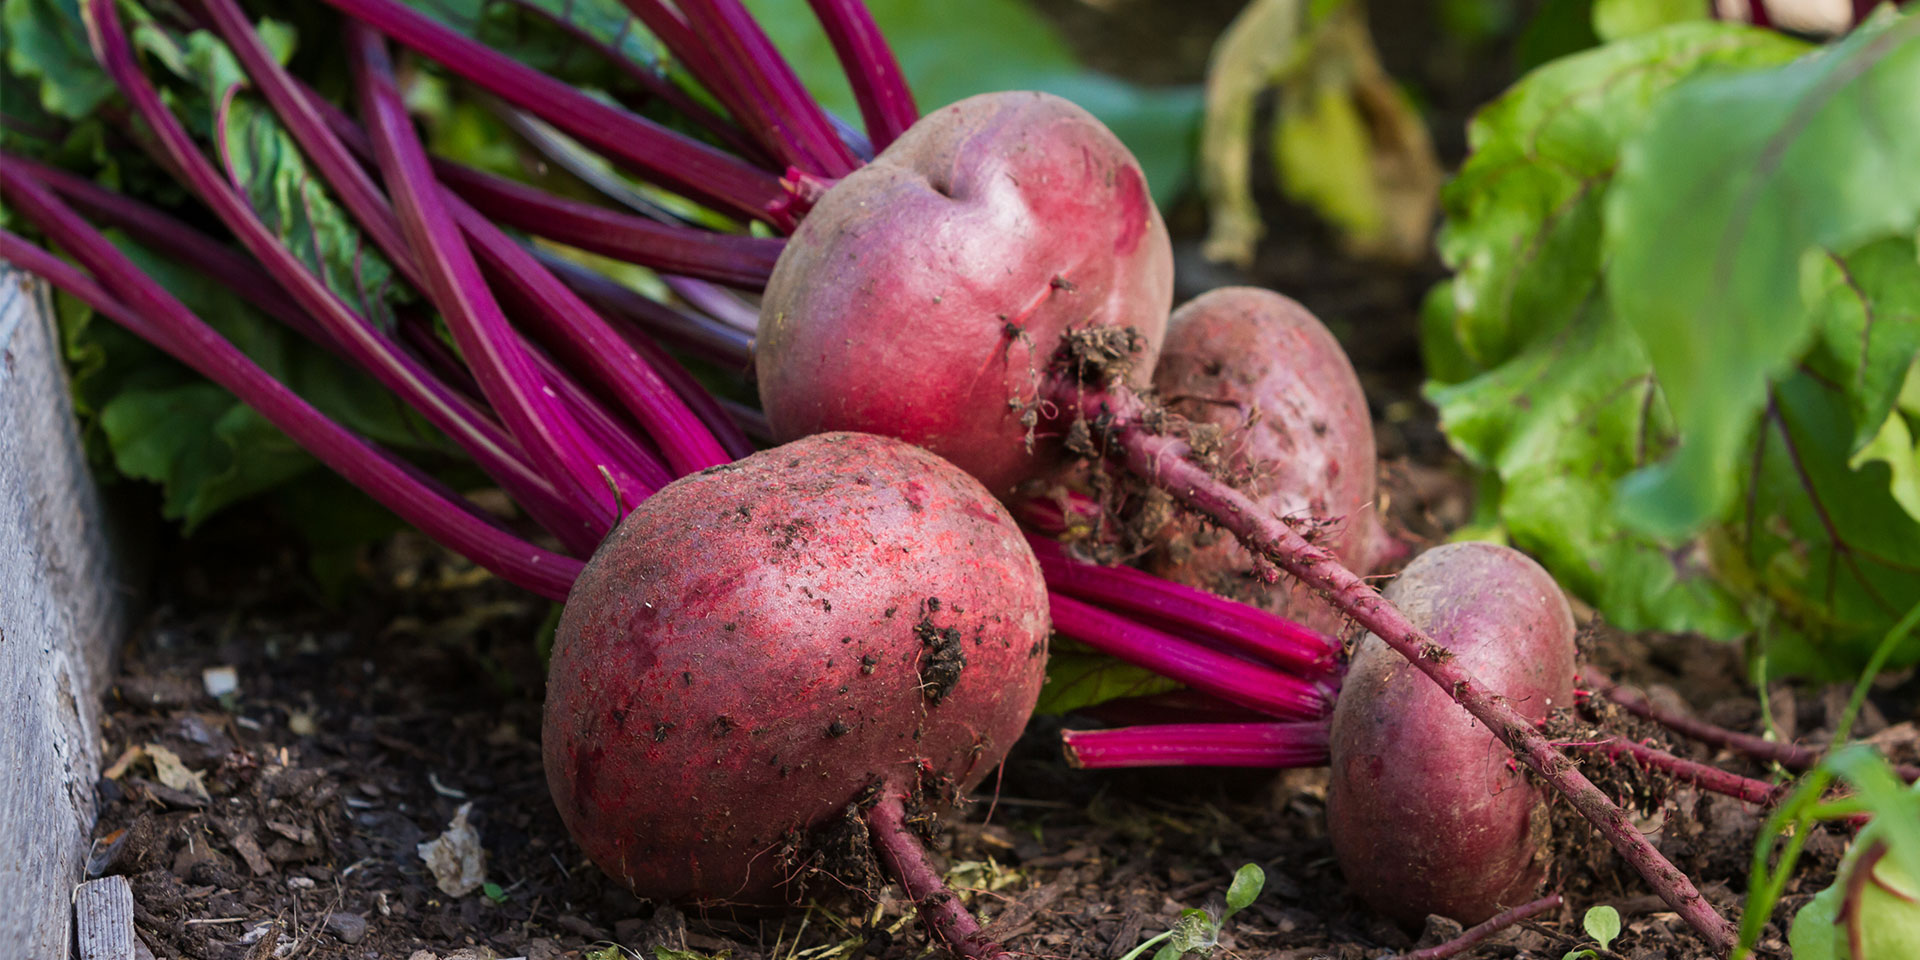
x=349 y=927
x=220 y=681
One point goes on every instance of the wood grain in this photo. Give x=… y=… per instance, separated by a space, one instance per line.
x=62 y=607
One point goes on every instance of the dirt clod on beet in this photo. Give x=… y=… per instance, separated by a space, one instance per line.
x=942 y=660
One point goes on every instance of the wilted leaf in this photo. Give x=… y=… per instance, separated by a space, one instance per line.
x=173 y=773
x=1346 y=141
x=456 y=859
x=1351 y=146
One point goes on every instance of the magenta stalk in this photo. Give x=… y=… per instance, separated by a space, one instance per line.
x=742 y=46
x=1267 y=637
x=505 y=372
x=671 y=159
x=328 y=137
x=381 y=475
x=1223 y=675
x=1163 y=460
x=942 y=913
x=1273 y=745
x=886 y=103
x=492 y=447
x=655 y=84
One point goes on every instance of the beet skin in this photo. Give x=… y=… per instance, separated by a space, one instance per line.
x=1298 y=436
x=1426 y=809
x=759 y=643
x=925 y=294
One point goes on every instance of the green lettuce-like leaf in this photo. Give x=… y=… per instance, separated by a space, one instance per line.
x=204 y=450
x=1523 y=215
x=1558 y=424
x=950 y=51
x=161 y=422
x=1826 y=545
x=46 y=45
x=1541 y=380
x=260 y=156
x=1734 y=183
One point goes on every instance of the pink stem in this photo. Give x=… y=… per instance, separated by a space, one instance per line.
x=1247 y=629
x=942 y=913
x=886 y=103
x=1474 y=935
x=1276 y=745
x=672 y=159
x=1203 y=668
x=1163 y=460
x=499 y=361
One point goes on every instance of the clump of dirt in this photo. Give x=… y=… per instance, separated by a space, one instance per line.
x=942 y=656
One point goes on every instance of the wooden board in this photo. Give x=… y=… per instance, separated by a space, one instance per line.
x=62 y=608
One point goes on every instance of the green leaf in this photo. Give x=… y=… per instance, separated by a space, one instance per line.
x=204 y=450
x=1897 y=447
x=258 y=154
x=1615 y=19
x=1558 y=424
x=1835 y=556
x=161 y=422
x=1734 y=183
x=46 y=42
x=1078 y=679
x=1523 y=215
x=1540 y=380
x=1194 y=931
x=1247 y=883
x=1602 y=923
x=950 y=51
x=1885 y=909
x=1866 y=311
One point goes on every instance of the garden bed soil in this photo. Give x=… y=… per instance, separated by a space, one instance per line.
x=357 y=731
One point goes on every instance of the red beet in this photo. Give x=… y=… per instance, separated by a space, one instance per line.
x=1298 y=435
x=760 y=643
x=1425 y=808
x=925 y=295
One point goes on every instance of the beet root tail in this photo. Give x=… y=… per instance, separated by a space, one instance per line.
x=905 y=858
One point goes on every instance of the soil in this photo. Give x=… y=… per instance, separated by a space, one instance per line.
x=359 y=729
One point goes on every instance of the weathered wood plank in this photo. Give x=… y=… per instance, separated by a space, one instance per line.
x=62 y=607
x=103 y=919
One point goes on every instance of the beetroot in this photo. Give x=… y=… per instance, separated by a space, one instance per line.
x=926 y=294
x=760 y=643
x=1298 y=435
x=1426 y=810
